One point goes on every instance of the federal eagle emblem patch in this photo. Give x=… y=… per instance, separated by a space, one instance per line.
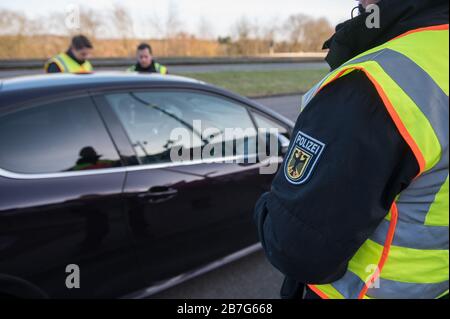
x=302 y=158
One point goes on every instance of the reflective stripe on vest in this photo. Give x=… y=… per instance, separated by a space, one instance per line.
x=68 y=65
x=161 y=69
x=407 y=256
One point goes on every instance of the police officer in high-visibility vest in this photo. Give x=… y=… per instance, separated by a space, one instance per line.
x=145 y=61
x=365 y=213
x=74 y=60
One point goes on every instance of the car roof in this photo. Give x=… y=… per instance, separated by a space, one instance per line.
x=86 y=80
x=26 y=88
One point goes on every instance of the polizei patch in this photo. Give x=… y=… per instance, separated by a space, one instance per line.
x=302 y=158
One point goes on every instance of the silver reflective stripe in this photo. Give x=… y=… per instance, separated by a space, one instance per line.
x=311 y=93
x=365 y=58
x=433 y=102
x=415 y=202
x=415 y=236
x=308 y=96
x=66 y=69
x=389 y=289
x=349 y=286
x=418 y=85
x=421 y=88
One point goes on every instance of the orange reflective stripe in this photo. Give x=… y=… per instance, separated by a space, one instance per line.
x=318 y=292
x=441 y=27
x=381 y=263
x=392 y=112
x=337 y=76
x=83 y=70
x=398 y=122
x=386 y=249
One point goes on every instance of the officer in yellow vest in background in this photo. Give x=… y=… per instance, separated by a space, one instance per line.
x=74 y=60
x=145 y=61
x=360 y=207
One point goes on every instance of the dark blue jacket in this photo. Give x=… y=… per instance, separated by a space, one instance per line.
x=312 y=230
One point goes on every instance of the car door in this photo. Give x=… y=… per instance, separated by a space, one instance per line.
x=189 y=212
x=61 y=205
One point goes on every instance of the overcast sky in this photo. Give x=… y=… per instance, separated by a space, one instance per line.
x=220 y=14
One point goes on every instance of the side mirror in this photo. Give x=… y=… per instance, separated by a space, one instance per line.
x=283 y=145
x=281 y=148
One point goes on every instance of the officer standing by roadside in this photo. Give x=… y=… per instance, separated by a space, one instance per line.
x=74 y=60
x=365 y=214
x=145 y=61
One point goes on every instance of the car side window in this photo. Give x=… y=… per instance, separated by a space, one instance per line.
x=265 y=123
x=63 y=136
x=150 y=119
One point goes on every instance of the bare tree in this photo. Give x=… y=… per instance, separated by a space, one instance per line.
x=318 y=32
x=5 y=21
x=123 y=26
x=249 y=37
x=54 y=24
x=205 y=29
x=242 y=29
x=17 y=26
x=270 y=34
x=15 y=23
x=154 y=25
x=295 y=28
x=167 y=29
x=91 y=23
x=306 y=33
x=173 y=23
x=43 y=36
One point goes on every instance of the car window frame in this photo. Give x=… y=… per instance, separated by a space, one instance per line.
x=248 y=108
x=103 y=107
x=42 y=101
x=271 y=119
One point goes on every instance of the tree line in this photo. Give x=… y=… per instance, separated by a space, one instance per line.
x=114 y=34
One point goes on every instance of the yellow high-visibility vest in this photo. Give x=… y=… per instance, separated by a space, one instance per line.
x=161 y=69
x=408 y=254
x=68 y=65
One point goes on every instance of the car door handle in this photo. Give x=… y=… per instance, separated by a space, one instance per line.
x=159 y=194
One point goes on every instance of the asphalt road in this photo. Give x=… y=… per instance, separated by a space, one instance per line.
x=288 y=105
x=180 y=69
x=251 y=277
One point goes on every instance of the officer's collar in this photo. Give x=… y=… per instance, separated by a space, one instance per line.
x=69 y=53
x=396 y=17
x=151 y=67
